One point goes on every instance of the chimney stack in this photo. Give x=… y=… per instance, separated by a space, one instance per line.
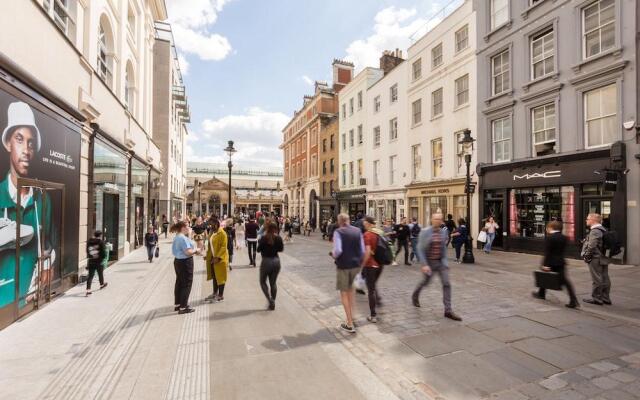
x=342 y=74
x=390 y=60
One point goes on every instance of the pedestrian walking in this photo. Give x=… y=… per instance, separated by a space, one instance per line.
x=199 y=229
x=348 y=251
x=240 y=238
x=183 y=251
x=288 y=230
x=165 y=225
x=217 y=261
x=451 y=227
x=432 y=253
x=390 y=234
x=459 y=237
x=593 y=254
x=251 y=233
x=231 y=239
x=490 y=227
x=371 y=268
x=414 y=229
x=359 y=222
x=96 y=250
x=269 y=245
x=403 y=234
x=555 y=244
x=151 y=242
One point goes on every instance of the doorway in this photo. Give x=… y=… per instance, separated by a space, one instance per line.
x=34 y=250
x=598 y=206
x=110 y=222
x=496 y=209
x=139 y=221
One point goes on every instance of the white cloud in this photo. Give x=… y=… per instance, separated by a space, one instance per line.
x=184 y=64
x=308 y=80
x=256 y=134
x=191 y=21
x=392 y=29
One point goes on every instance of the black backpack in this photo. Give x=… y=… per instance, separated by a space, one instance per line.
x=611 y=245
x=383 y=254
x=415 y=230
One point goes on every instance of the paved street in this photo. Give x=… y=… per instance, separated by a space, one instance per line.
x=127 y=343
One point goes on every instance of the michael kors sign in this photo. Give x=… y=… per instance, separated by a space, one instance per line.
x=538 y=175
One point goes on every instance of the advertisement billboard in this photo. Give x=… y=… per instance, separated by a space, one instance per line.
x=37 y=145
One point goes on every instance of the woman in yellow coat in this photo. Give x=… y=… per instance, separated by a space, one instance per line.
x=217 y=260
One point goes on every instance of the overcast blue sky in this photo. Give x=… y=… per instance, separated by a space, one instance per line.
x=249 y=62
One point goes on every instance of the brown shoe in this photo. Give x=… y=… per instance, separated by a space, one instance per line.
x=452 y=315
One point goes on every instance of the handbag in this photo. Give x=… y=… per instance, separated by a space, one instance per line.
x=359 y=282
x=482 y=237
x=157 y=252
x=547 y=280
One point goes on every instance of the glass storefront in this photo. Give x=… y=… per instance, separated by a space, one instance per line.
x=530 y=209
x=459 y=207
x=154 y=200
x=110 y=182
x=138 y=202
x=432 y=205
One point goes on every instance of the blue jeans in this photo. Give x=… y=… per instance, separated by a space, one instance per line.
x=414 y=246
x=490 y=237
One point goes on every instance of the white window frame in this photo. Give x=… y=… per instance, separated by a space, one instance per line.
x=393 y=129
x=462 y=42
x=600 y=117
x=416 y=162
x=393 y=93
x=376 y=104
x=360 y=100
x=376 y=172
x=460 y=162
x=416 y=69
x=351 y=108
x=542 y=37
x=599 y=28
x=360 y=135
x=494 y=12
x=392 y=169
x=464 y=92
x=344 y=110
x=351 y=138
x=436 y=59
x=344 y=141
x=376 y=136
x=415 y=122
x=502 y=139
x=435 y=160
x=545 y=128
x=103 y=68
x=344 y=174
x=437 y=98
x=351 y=173
x=505 y=74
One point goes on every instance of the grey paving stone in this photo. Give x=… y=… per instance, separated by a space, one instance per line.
x=618 y=395
x=519 y=364
x=632 y=358
x=508 y=395
x=428 y=345
x=605 y=383
x=633 y=388
x=586 y=347
x=623 y=377
x=571 y=377
x=557 y=318
x=606 y=336
x=553 y=383
x=532 y=390
x=588 y=372
x=567 y=394
x=587 y=388
x=551 y=353
x=604 y=366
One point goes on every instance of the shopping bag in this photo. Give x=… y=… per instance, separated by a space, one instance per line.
x=359 y=282
x=157 y=252
x=547 y=280
x=482 y=237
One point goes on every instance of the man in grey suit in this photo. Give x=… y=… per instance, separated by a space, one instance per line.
x=598 y=263
x=432 y=254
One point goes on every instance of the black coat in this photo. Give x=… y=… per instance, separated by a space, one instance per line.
x=554 y=247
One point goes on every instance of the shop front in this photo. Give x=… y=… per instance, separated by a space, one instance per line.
x=154 y=198
x=386 y=205
x=524 y=196
x=138 y=200
x=327 y=209
x=352 y=202
x=446 y=197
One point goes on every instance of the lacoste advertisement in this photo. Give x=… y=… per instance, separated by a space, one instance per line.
x=36 y=146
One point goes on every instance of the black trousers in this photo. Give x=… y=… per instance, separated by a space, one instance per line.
x=92 y=272
x=251 y=248
x=458 y=247
x=371 y=276
x=403 y=244
x=269 y=270
x=218 y=289
x=184 y=280
x=564 y=281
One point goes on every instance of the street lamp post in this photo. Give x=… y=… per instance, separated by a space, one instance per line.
x=230 y=150
x=199 y=199
x=467 y=147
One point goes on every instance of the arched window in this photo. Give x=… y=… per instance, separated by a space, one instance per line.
x=105 y=52
x=129 y=88
x=131 y=22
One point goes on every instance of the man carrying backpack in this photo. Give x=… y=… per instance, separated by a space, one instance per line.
x=372 y=267
x=414 y=228
x=593 y=253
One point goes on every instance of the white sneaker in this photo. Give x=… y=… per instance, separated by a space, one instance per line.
x=8 y=234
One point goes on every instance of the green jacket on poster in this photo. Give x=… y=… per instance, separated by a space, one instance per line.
x=36 y=203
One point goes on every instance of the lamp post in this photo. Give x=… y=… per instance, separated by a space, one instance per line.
x=230 y=150
x=334 y=195
x=199 y=199
x=467 y=148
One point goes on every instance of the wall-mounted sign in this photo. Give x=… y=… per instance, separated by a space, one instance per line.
x=538 y=175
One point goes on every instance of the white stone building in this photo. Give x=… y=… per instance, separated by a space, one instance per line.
x=441 y=104
x=352 y=128
x=386 y=141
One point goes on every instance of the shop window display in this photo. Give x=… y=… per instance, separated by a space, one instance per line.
x=532 y=208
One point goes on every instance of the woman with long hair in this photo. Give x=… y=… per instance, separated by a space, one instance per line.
x=217 y=260
x=183 y=251
x=269 y=245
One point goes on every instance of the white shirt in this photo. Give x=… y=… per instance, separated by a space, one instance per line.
x=13 y=192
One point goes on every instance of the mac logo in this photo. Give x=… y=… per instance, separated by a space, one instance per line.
x=542 y=175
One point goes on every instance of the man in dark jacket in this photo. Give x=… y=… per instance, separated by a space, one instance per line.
x=598 y=263
x=554 y=247
x=403 y=233
x=96 y=251
x=251 y=236
x=151 y=242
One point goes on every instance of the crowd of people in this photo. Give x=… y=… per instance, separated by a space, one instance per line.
x=361 y=249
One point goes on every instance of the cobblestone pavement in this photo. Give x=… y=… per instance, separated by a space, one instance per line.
x=509 y=346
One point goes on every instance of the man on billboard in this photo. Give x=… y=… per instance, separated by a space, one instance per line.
x=21 y=139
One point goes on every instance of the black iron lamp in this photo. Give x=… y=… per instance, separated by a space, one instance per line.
x=230 y=150
x=467 y=149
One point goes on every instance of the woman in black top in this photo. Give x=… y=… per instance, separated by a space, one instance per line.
x=269 y=245
x=199 y=228
x=231 y=239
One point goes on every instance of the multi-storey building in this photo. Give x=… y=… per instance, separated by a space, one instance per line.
x=171 y=116
x=441 y=104
x=301 y=144
x=386 y=136
x=557 y=83
x=328 y=169
x=352 y=126
x=80 y=84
